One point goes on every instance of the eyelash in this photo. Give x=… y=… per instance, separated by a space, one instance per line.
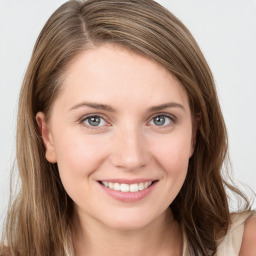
x=172 y=122
x=93 y=115
x=172 y=119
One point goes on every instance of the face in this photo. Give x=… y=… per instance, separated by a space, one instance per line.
x=121 y=133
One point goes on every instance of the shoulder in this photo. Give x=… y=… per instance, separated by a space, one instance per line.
x=248 y=246
x=240 y=235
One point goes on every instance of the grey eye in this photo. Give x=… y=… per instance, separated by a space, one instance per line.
x=94 y=121
x=161 y=120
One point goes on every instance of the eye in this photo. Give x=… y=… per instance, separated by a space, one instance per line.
x=162 y=120
x=94 y=121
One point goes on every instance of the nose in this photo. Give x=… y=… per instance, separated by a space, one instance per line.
x=129 y=149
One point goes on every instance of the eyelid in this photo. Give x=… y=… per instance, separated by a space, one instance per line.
x=172 y=117
x=105 y=118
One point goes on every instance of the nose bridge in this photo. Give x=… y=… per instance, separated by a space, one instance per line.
x=129 y=149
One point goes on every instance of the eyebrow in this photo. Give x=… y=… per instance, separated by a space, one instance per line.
x=109 y=108
x=94 y=105
x=166 y=105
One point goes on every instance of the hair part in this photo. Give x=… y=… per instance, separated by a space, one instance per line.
x=39 y=218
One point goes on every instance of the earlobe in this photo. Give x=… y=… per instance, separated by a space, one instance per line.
x=46 y=136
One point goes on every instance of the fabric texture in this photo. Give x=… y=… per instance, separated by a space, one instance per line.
x=231 y=243
x=228 y=246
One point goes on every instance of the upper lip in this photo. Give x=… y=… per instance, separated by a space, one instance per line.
x=127 y=181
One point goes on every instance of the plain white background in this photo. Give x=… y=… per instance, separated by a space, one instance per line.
x=224 y=29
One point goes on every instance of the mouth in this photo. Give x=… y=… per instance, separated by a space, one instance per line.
x=127 y=188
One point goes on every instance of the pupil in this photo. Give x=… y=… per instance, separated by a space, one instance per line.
x=159 y=120
x=94 y=121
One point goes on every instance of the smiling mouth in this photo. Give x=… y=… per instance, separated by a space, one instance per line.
x=123 y=187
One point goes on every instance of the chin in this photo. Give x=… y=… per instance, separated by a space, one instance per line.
x=129 y=221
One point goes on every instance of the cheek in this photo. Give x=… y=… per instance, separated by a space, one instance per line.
x=173 y=153
x=77 y=155
x=173 y=158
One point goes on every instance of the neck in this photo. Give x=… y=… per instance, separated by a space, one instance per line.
x=162 y=237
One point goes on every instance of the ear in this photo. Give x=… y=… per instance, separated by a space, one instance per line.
x=46 y=135
x=196 y=123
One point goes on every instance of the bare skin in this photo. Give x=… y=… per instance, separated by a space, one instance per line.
x=248 y=247
x=126 y=144
x=166 y=240
x=133 y=140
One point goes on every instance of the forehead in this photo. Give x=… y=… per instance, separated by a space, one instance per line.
x=112 y=74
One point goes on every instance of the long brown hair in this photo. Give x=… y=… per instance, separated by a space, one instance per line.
x=38 y=220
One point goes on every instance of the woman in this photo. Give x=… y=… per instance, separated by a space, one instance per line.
x=116 y=143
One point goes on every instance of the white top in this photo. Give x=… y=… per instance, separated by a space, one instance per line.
x=228 y=246
x=231 y=243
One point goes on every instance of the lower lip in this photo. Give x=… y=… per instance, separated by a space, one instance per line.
x=129 y=196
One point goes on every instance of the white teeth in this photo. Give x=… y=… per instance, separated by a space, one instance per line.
x=116 y=186
x=134 y=188
x=126 y=187
x=142 y=185
x=105 y=183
